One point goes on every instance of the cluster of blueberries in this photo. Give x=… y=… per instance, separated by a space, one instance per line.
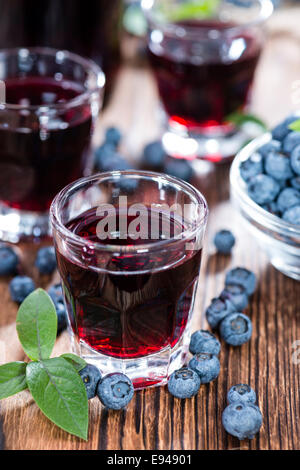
x=224 y=312
x=154 y=158
x=21 y=286
x=272 y=173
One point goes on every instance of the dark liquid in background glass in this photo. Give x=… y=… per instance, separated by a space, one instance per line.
x=201 y=82
x=34 y=167
x=126 y=315
x=87 y=27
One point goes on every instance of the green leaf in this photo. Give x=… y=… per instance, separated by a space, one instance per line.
x=37 y=325
x=295 y=126
x=76 y=361
x=190 y=10
x=60 y=394
x=239 y=119
x=12 y=379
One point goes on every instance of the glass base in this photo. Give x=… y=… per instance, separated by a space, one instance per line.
x=16 y=225
x=215 y=146
x=149 y=371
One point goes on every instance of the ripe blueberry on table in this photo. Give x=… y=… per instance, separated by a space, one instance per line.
x=179 y=168
x=236 y=329
x=113 y=136
x=242 y=420
x=91 y=377
x=206 y=365
x=154 y=156
x=275 y=185
x=237 y=295
x=20 y=287
x=46 y=260
x=203 y=341
x=184 y=383
x=241 y=393
x=217 y=310
x=8 y=260
x=115 y=391
x=241 y=277
x=224 y=241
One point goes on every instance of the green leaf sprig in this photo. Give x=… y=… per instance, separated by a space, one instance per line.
x=54 y=383
x=295 y=125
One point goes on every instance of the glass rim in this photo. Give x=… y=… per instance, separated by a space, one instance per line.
x=68 y=235
x=238 y=189
x=86 y=63
x=171 y=28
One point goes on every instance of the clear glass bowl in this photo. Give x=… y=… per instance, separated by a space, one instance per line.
x=279 y=239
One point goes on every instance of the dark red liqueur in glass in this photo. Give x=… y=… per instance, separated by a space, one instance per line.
x=35 y=165
x=89 y=28
x=127 y=314
x=202 y=80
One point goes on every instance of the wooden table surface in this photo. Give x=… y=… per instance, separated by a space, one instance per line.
x=154 y=419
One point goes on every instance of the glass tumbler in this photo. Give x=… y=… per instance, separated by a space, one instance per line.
x=128 y=248
x=52 y=98
x=204 y=56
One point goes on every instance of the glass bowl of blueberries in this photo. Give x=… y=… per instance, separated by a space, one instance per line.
x=265 y=188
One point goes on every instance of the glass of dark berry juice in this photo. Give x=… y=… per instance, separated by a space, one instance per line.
x=128 y=246
x=46 y=123
x=204 y=56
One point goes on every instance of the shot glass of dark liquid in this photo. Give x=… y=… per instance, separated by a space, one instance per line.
x=128 y=248
x=204 y=55
x=52 y=98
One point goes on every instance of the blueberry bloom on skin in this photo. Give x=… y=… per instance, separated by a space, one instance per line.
x=237 y=295
x=263 y=189
x=282 y=130
x=217 y=310
x=203 y=341
x=241 y=393
x=273 y=145
x=46 y=260
x=154 y=155
x=291 y=141
x=252 y=166
x=292 y=215
x=295 y=159
x=242 y=277
x=184 y=383
x=56 y=294
x=278 y=166
x=224 y=241
x=288 y=197
x=206 y=365
x=236 y=329
x=113 y=136
x=242 y=420
x=179 y=168
x=115 y=391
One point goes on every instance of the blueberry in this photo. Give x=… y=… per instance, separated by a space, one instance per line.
x=237 y=295
x=203 y=341
x=154 y=156
x=295 y=182
x=113 y=136
x=271 y=146
x=90 y=376
x=236 y=329
x=217 y=310
x=263 y=189
x=241 y=393
x=242 y=420
x=291 y=141
x=206 y=365
x=252 y=166
x=242 y=277
x=115 y=163
x=295 y=159
x=184 y=383
x=292 y=215
x=224 y=241
x=179 y=168
x=282 y=129
x=56 y=294
x=278 y=166
x=115 y=391
x=271 y=207
x=289 y=197
x=103 y=154
x=20 y=287
x=128 y=185
x=46 y=260
x=8 y=260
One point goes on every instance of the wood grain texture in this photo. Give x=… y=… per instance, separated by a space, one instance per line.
x=154 y=419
